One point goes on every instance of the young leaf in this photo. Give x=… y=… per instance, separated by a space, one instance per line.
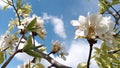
x=1 y=57
x=18 y=4
x=82 y=65
x=114 y=2
x=33 y=53
x=31 y=24
x=5 y=7
x=28 y=45
x=38 y=65
x=104 y=6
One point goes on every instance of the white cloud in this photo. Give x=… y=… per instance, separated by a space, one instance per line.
x=57 y=23
x=23 y=57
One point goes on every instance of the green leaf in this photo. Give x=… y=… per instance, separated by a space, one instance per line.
x=11 y=28
x=18 y=4
x=1 y=57
x=104 y=6
x=31 y=24
x=5 y=7
x=28 y=44
x=12 y=24
x=115 y=2
x=33 y=53
x=82 y=65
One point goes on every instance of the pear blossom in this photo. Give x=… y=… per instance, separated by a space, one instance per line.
x=27 y=20
x=59 y=49
x=93 y=26
x=39 y=25
x=7 y=40
x=56 y=46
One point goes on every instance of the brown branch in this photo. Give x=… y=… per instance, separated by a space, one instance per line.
x=19 y=41
x=53 y=62
x=10 y=58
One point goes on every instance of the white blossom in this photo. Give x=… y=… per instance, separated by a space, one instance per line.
x=92 y=26
x=7 y=40
x=27 y=20
x=39 y=25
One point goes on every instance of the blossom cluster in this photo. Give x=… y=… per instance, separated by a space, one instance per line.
x=93 y=26
x=7 y=41
x=38 y=26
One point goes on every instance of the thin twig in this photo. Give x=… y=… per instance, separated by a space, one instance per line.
x=16 y=11
x=115 y=10
x=5 y=49
x=19 y=41
x=113 y=52
x=89 y=57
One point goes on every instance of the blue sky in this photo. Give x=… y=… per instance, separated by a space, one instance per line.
x=54 y=12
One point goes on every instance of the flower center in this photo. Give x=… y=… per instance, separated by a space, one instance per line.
x=91 y=31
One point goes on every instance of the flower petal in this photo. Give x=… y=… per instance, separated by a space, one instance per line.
x=83 y=21
x=75 y=23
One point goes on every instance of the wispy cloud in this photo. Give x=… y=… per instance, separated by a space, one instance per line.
x=57 y=23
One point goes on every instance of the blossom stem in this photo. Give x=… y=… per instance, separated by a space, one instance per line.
x=91 y=42
x=89 y=57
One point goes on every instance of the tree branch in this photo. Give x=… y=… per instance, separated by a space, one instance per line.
x=53 y=62
x=10 y=58
x=19 y=41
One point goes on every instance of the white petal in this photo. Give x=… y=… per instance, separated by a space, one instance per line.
x=75 y=23
x=109 y=23
x=79 y=33
x=83 y=21
x=101 y=29
x=21 y=27
x=94 y=19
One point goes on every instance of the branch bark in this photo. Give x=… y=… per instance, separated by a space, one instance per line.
x=53 y=62
x=10 y=58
